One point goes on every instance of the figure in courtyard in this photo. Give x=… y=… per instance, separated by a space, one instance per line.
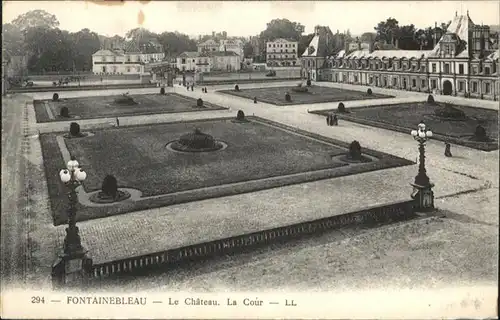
x=254 y=99
x=447 y=150
x=335 y=120
x=206 y=90
x=117 y=122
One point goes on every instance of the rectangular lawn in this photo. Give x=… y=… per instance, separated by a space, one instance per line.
x=406 y=116
x=315 y=94
x=261 y=153
x=104 y=107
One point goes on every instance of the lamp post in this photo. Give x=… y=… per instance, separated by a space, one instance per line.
x=72 y=264
x=423 y=194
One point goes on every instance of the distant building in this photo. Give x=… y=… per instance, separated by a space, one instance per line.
x=130 y=59
x=208 y=46
x=462 y=63
x=314 y=56
x=282 y=52
x=234 y=45
x=209 y=61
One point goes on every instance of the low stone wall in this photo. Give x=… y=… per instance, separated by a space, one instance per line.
x=82 y=88
x=381 y=214
x=239 y=81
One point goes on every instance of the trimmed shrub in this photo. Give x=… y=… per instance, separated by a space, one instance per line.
x=430 y=99
x=288 y=97
x=162 y=90
x=125 y=99
x=308 y=83
x=240 y=115
x=74 y=129
x=355 y=150
x=369 y=91
x=199 y=102
x=109 y=186
x=64 y=112
x=341 y=107
x=55 y=97
x=236 y=88
x=480 y=133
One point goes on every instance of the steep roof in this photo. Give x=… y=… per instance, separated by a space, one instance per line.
x=389 y=54
x=459 y=27
x=319 y=44
x=189 y=54
x=106 y=52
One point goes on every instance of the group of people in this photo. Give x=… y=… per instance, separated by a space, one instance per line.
x=332 y=120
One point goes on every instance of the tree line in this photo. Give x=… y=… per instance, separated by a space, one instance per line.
x=36 y=34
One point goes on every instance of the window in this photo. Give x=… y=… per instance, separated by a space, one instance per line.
x=128 y=69
x=460 y=86
x=474 y=87
x=446 y=68
x=422 y=83
x=486 y=70
x=183 y=61
x=433 y=84
x=413 y=82
x=447 y=50
x=422 y=68
x=474 y=70
x=460 y=69
x=487 y=88
x=394 y=82
x=434 y=68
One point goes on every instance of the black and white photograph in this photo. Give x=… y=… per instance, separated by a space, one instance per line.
x=250 y=159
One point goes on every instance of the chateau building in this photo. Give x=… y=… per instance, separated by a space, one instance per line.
x=208 y=46
x=129 y=59
x=233 y=45
x=209 y=61
x=282 y=52
x=462 y=63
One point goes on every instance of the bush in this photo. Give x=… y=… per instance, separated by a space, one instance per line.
x=369 y=91
x=125 y=99
x=308 y=83
x=480 y=133
x=199 y=102
x=240 y=115
x=74 y=129
x=355 y=150
x=162 y=90
x=430 y=99
x=55 y=97
x=288 y=98
x=236 y=88
x=341 y=107
x=110 y=186
x=64 y=112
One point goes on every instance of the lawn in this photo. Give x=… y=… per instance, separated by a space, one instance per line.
x=405 y=117
x=316 y=94
x=104 y=107
x=137 y=156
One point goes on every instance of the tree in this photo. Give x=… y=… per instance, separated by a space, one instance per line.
x=407 y=38
x=12 y=39
x=368 y=37
x=34 y=19
x=85 y=44
x=282 y=28
x=387 y=30
x=175 y=43
x=248 y=50
x=49 y=49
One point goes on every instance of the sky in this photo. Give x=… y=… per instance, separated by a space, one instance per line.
x=248 y=18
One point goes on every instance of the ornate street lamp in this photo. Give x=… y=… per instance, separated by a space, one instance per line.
x=423 y=193
x=73 y=264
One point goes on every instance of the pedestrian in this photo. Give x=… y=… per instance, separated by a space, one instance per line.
x=254 y=99
x=206 y=91
x=117 y=122
x=328 y=120
x=447 y=150
x=335 y=120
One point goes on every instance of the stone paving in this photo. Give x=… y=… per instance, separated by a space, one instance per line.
x=468 y=170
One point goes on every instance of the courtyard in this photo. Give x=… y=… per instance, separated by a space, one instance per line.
x=315 y=94
x=105 y=106
x=259 y=154
x=404 y=117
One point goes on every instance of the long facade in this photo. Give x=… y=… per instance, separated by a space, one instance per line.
x=457 y=67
